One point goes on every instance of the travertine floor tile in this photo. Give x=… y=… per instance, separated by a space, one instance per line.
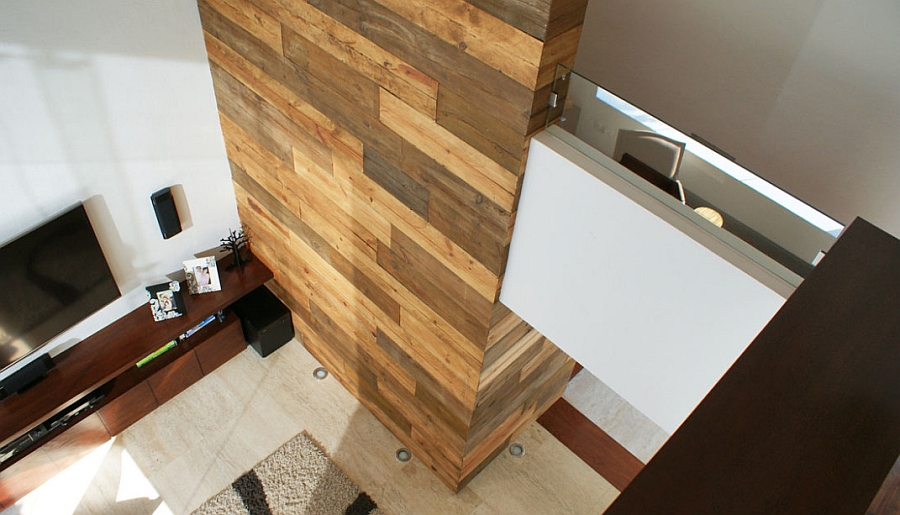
x=197 y=443
x=611 y=413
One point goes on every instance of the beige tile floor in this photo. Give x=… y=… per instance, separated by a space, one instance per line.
x=196 y=444
x=615 y=416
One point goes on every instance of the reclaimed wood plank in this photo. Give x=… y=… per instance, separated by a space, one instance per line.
x=508 y=99
x=249 y=17
x=392 y=73
x=326 y=191
x=269 y=88
x=457 y=210
x=490 y=39
x=475 y=237
x=372 y=292
x=460 y=158
x=308 y=88
x=441 y=182
x=401 y=259
x=529 y=16
x=523 y=401
x=342 y=79
x=454 y=411
x=565 y=15
x=477 y=126
x=442 y=277
x=248 y=111
x=447 y=365
x=559 y=50
x=437 y=244
x=444 y=442
x=434 y=340
x=417 y=316
x=403 y=187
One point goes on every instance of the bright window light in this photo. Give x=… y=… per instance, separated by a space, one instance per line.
x=738 y=172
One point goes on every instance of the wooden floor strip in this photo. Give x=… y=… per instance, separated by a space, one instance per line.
x=590 y=443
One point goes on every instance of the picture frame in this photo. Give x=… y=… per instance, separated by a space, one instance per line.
x=165 y=300
x=202 y=275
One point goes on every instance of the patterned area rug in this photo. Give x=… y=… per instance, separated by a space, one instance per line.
x=298 y=478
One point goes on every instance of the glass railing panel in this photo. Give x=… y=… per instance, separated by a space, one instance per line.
x=777 y=224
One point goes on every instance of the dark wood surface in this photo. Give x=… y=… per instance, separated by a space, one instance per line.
x=75 y=443
x=590 y=443
x=888 y=498
x=111 y=351
x=225 y=344
x=175 y=377
x=128 y=408
x=808 y=418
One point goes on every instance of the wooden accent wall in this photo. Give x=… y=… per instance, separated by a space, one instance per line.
x=377 y=150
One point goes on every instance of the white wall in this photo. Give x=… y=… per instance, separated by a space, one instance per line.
x=644 y=307
x=804 y=93
x=107 y=101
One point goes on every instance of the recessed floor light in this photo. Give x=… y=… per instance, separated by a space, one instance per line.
x=320 y=373
x=517 y=450
x=403 y=455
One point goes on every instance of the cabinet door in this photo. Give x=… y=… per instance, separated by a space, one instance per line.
x=225 y=344
x=175 y=377
x=127 y=408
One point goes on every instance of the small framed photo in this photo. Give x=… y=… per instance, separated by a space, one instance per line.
x=202 y=275
x=166 y=301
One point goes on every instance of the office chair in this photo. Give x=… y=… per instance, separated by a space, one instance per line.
x=653 y=157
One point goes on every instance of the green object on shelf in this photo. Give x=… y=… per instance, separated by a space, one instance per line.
x=157 y=353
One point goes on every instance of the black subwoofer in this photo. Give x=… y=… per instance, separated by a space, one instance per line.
x=265 y=320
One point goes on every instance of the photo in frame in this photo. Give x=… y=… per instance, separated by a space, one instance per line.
x=166 y=301
x=202 y=275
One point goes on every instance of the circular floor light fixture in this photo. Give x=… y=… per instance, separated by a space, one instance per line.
x=403 y=455
x=517 y=450
x=320 y=373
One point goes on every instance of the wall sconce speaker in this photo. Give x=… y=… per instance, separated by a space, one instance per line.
x=166 y=213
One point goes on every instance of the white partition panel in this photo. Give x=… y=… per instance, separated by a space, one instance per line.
x=640 y=304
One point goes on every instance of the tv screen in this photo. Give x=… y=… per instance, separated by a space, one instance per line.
x=51 y=278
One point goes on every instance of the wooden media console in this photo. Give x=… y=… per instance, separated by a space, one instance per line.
x=104 y=365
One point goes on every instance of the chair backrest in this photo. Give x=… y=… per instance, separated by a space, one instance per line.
x=670 y=186
x=658 y=152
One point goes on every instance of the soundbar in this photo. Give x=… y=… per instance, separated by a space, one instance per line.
x=26 y=377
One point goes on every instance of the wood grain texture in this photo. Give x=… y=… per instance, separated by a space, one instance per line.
x=376 y=150
x=806 y=420
x=110 y=352
x=529 y=16
x=128 y=408
x=887 y=500
x=35 y=469
x=225 y=344
x=478 y=33
x=590 y=443
x=175 y=377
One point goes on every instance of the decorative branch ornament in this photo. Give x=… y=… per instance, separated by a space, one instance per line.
x=236 y=242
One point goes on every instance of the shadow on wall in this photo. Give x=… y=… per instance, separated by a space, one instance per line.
x=168 y=29
x=803 y=93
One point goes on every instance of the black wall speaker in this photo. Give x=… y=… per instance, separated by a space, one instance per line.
x=166 y=213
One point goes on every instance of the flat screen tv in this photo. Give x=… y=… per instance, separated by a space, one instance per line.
x=51 y=278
